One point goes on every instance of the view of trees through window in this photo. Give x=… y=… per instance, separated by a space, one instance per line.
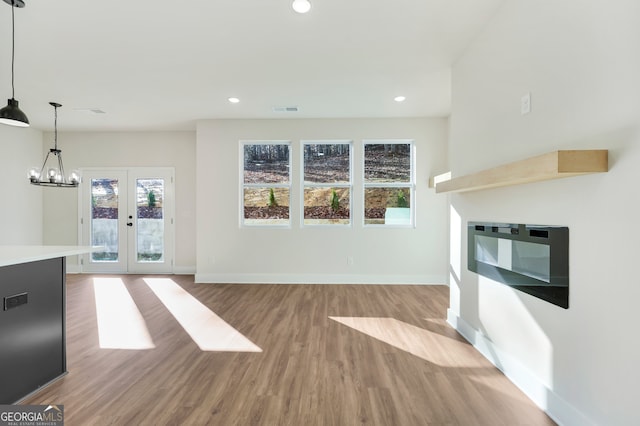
x=327 y=183
x=266 y=183
x=104 y=219
x=150 y=219
x=388 y=181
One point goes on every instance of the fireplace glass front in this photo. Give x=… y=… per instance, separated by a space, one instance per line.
x=530 y=258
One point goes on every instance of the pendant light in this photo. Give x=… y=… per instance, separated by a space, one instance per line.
x=54 y=176
x=11 y=114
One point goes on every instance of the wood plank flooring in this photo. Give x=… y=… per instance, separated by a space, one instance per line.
x=331 y=355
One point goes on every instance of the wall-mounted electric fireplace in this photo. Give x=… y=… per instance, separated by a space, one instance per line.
x=531 y=258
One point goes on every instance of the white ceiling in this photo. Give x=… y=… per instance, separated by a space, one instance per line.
x=163 y=65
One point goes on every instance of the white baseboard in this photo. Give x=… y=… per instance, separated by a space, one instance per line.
x=184 y=270
x=73 y=269
x=177 y=270
x=318 y=279
x=557 y=408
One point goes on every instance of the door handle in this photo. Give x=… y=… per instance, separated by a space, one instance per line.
x=129 y=224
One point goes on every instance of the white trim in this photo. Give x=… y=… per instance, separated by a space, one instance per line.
x=74 y=269
x=213 y=278
x=184 y=270
x=550 y=402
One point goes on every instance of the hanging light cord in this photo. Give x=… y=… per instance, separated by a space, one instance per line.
x=13 y=47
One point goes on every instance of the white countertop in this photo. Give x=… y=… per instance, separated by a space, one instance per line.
x=13 y=255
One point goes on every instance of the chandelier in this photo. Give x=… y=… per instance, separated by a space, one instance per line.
x=54 y=176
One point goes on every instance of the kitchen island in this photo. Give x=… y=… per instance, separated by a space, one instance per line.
x=32 y=318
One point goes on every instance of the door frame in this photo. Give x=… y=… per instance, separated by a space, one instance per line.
x=131 y=173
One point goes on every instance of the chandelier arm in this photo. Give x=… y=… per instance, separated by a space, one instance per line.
x=43 y=165
x=61 y=168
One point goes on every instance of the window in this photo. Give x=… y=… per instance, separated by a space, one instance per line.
x=266 y=183
x=327 y=183
x=104 y=219
x=388 y=183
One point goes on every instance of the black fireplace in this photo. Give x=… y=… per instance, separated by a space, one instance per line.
x=531 y=258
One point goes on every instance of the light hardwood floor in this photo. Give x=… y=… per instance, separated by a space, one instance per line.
x=331 y=355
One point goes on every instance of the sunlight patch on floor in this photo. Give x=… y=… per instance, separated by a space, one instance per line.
x=430 y=346
x=120 y=323
x=208 y=330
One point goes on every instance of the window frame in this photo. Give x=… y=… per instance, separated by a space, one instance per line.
x=266 y=185
x=304 y=185
x=411 y=185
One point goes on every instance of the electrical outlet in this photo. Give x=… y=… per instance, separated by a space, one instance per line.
x=525 y=104
x=349 y=260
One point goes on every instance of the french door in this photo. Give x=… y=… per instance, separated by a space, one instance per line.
x=128 y=213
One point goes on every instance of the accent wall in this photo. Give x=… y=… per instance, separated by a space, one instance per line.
x=580 y=63
x=228 y=253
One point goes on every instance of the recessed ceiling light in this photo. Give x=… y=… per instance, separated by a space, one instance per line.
x=399 y=98
x=301 y=6
x=234 y=100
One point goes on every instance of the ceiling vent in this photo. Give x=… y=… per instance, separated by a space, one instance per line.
x=90 y=110
x=285 y=109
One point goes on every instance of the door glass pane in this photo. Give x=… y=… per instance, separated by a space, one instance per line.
x=104 y=219
x=150 y=220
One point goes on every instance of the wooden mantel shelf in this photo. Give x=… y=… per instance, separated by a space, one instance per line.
x=553 y=165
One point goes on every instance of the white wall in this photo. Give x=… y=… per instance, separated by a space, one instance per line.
x=228 y=253
x=125 y=149
x=580 y=60
x=21 y=202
